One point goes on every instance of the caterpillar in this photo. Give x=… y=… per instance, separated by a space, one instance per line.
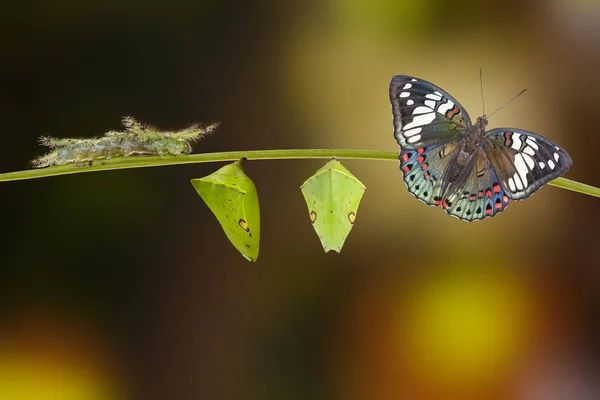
x=136 y=139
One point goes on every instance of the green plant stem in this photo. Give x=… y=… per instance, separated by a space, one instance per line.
x=156 y=161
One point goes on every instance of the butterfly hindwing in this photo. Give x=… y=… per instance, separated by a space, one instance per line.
x=481 y=195
x=524 y=161
x=423 y=170
x=424 y=114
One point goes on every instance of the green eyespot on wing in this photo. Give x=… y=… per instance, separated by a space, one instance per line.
x=231 y=196
x=332 y=195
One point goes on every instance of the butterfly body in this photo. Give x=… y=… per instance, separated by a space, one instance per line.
x=471 y=172
x=465 y=157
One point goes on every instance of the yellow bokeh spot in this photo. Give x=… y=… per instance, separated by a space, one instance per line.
x=28 y=377
x=464 y=324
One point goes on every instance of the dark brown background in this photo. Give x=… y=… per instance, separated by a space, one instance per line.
x=121 y=284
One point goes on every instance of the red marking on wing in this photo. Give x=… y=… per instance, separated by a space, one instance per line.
x=472 y=197
x=498 y=206
x=420 y=159
x=437 y=202
x=424 y=166
x=496 y=188
x=488 y=211
x=445 y=204
x=405 y=157
x=426 y=174
x=420 y=150
x=481 y=193
x=450 y=114
x=505 y=198
x=406 y=168
x=488 y=193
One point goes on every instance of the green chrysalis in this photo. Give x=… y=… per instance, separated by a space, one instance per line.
x=231 y=196
x=332 y=195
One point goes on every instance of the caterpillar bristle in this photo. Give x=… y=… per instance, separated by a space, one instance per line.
x=130 y=123
x=47 y=141
x=45 y=160
x=195 y=132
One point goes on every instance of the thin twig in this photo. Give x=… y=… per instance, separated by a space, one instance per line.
x=156 y=161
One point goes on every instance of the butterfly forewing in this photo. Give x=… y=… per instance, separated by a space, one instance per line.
x=524 y=161
x=424 y=114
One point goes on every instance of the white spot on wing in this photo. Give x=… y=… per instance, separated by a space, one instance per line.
x=529 y=151
x=407 y=86
x=413 y=80
x=516 y=144
x=413 y=139
x=542 y=165
x=433 y=97
x=445 y=107
x=404 y=94
x=556 y=157
x=420 y=120
x=521 y=168
x=531 y=142
x=551 y=164
x=410 y=102
x=421 y=110
x=518 y=181
x=430 y=104
x=511 y=184
x=411 y=132
x=529 y=161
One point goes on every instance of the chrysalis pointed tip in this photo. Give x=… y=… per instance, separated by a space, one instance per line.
x=251 y=259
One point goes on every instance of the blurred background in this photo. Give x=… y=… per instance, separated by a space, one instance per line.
x=121 y=285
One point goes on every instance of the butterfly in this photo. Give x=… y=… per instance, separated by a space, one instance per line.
x=472 y=173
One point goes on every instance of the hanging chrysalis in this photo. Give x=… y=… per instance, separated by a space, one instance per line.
x=231 y=196
x=332 y=195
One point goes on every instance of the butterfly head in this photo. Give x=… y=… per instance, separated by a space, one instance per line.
x=481 y=122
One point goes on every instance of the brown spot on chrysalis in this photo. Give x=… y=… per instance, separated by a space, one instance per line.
x=244 y=225
x=313 y=216
x=351 y=217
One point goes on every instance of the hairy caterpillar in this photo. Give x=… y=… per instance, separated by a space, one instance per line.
x=136 y=139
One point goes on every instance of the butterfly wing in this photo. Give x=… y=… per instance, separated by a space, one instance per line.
x=424 y=114
x=480 y=196
x=524 y=161
x=424 y=168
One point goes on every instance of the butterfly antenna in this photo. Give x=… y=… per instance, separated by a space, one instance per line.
x=481 y=87
x=507 y=103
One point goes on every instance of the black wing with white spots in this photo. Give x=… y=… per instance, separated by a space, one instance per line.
x=524 y=161
x=424 y=114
